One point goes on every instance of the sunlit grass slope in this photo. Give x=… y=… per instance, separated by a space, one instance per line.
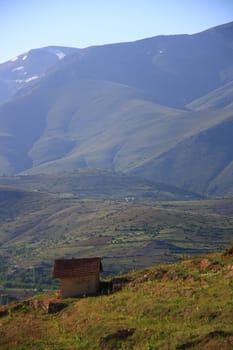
x=187 y=305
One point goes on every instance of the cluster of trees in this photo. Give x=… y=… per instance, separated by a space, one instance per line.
x=38 y=278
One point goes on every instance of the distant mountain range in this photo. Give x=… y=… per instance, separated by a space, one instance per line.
x=160 y=108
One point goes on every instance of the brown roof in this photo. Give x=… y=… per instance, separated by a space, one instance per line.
x=76 y=267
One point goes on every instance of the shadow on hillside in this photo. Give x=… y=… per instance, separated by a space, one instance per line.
x=112 y=286
x=225 y=339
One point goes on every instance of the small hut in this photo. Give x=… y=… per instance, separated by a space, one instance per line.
x=78 y=276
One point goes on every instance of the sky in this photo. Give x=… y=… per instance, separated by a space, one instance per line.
x=28 y=24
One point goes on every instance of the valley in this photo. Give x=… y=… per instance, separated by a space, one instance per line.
x=129 y=224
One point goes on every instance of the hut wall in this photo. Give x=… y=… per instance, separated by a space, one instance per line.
x=79 y=286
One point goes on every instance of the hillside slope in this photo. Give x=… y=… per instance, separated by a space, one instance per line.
x=202 y=163
x=91 y=124
x=174 y=307
x=217 y=99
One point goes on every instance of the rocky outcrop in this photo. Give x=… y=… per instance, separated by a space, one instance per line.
x=50 y=306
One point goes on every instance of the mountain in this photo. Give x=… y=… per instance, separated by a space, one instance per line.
x=172 y=70
x=159 y=108
x=25 y=69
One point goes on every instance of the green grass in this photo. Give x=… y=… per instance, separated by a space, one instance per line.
x=178 y=306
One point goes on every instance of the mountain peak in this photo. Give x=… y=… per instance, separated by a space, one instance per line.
x=16 y=73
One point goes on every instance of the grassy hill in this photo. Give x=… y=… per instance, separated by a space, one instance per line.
x=187 y=305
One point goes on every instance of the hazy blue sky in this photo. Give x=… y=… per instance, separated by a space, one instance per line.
x=27 y=24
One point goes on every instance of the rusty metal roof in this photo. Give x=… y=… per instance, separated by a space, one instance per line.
x=64 y=268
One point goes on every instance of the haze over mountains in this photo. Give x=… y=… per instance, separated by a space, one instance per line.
x=160 y=108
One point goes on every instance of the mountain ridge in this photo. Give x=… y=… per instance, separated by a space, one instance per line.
x=122 y=107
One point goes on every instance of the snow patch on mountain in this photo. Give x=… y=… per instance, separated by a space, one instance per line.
x=20 y=81
x=14 y=59
x=31 y=78
x=60 y=55
x=25 y=57
x=17 y=69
